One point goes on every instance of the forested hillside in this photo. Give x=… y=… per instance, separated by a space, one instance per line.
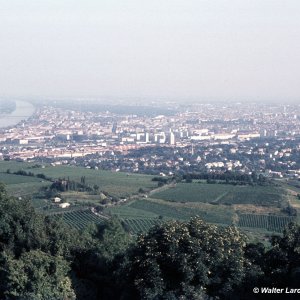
x=43 y=258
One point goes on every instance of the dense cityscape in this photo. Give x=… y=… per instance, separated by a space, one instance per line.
x=207 y=137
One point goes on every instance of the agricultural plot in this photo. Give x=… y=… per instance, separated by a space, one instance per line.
x=137 y=226
x=193 y=192
x=291 y=185
x=39 y=204
x=16 y=179
x=14 y=166
x=129 y=212
x=81 y=198
x=170 y=211
x=25 y=188
x=223 y=194
x=258 y=195
x=115 y=183
x=79 y=218
x=270 y=222
x=294 y=183
x=18 y=185
x=214 y=203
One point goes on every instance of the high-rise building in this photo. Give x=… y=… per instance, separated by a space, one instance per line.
x=172 y=138
x=147 y=137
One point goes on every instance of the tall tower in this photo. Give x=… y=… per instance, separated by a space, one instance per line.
x=147 y=137
x=172 y=138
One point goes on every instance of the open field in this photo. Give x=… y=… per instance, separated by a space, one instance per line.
x=295 y=184
x=223 y=194
x=14 y=166
x=159 y=210
x=129 y=212
x=81 y=198
x=137 y=226
x=167 y=210
x=293 y=189
x=193 y=192
x=15 y=179
x=115 y=183
x=269 y=222
x=18 y=185
x=25 y=189
x=258 y=195
x=79 y=218
x=250 y=207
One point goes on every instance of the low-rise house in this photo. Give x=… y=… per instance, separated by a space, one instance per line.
x=56 y=200
x=64 y=205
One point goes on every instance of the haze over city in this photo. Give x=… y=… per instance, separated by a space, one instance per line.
x=201 y=50
x=149 y=150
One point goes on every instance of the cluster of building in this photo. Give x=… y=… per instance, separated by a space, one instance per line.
x=242 y=137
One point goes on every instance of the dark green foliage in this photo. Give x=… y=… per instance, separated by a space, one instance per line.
x=42 y=176
x=20 y=228
x=186 y=260
x=111 y=239
x=228 y=177
x=23 y=173
x=35 y=275
x=42 y=258
x=96 y=188
x=33 y=251
x=95 y=266
x=163 y=180
x=277 y=266
x=285 y=252
x=63 y=185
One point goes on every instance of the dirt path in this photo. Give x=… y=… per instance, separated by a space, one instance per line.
x=162 y=188
x=219 y=197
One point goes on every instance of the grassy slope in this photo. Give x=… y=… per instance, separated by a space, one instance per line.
x=14 y=166
x=224 y=194
x=116 y=184
x=15 y=179
x=168 y=210
x=215 y=203
x=180 y=202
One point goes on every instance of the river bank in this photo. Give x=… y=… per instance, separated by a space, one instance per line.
x=23 y=111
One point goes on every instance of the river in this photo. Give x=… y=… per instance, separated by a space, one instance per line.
x=23 y=111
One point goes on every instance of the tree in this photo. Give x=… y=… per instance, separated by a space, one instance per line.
x=21 y=229
x=282 y=261
x=187 y=261
x=82 y=180
x=96 y=188
x=110 y=238
x=95 y=266
x=275 y=266
x=36 y=275
x=33 y=252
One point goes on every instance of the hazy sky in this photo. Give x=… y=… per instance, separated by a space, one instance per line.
x=208 y=49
